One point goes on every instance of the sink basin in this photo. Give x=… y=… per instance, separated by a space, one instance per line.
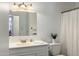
x=21 y=43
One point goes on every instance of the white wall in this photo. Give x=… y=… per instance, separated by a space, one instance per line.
x=32 y=23
x=4 y=10
x=48 y=18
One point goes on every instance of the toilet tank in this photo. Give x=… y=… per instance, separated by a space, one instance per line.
x=54 y=48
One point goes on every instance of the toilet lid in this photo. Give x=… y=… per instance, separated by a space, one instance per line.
x=54 y=43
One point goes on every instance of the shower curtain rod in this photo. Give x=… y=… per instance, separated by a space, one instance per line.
x=70 y=10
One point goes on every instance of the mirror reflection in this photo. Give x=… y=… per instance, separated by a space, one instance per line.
x=22 y=23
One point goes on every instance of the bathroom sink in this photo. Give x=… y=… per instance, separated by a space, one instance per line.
x=23 y=43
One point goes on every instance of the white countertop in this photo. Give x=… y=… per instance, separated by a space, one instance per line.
x=18 y=44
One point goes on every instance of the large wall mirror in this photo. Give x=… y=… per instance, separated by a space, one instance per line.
x=22 y=23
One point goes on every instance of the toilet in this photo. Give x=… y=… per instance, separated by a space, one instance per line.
x=54 y=49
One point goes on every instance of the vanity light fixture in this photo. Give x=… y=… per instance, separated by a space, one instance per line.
x=22 y=6
x=29 y=6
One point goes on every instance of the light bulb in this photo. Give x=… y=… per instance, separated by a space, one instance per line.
x=29 y=6
x=15 y=6
x=23 y=6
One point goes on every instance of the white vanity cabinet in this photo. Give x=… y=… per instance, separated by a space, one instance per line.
x=41 y=50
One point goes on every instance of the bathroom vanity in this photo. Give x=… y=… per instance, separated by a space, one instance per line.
x=23 y=24
x=35 y=48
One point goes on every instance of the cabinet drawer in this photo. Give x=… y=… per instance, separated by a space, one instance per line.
x=28 y=51
x=39 y=53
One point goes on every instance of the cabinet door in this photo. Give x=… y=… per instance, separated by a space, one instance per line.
x=24 y=54
x=30 y=51
x=42 y=54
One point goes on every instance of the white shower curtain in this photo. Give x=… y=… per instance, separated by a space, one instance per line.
x=69 y=35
